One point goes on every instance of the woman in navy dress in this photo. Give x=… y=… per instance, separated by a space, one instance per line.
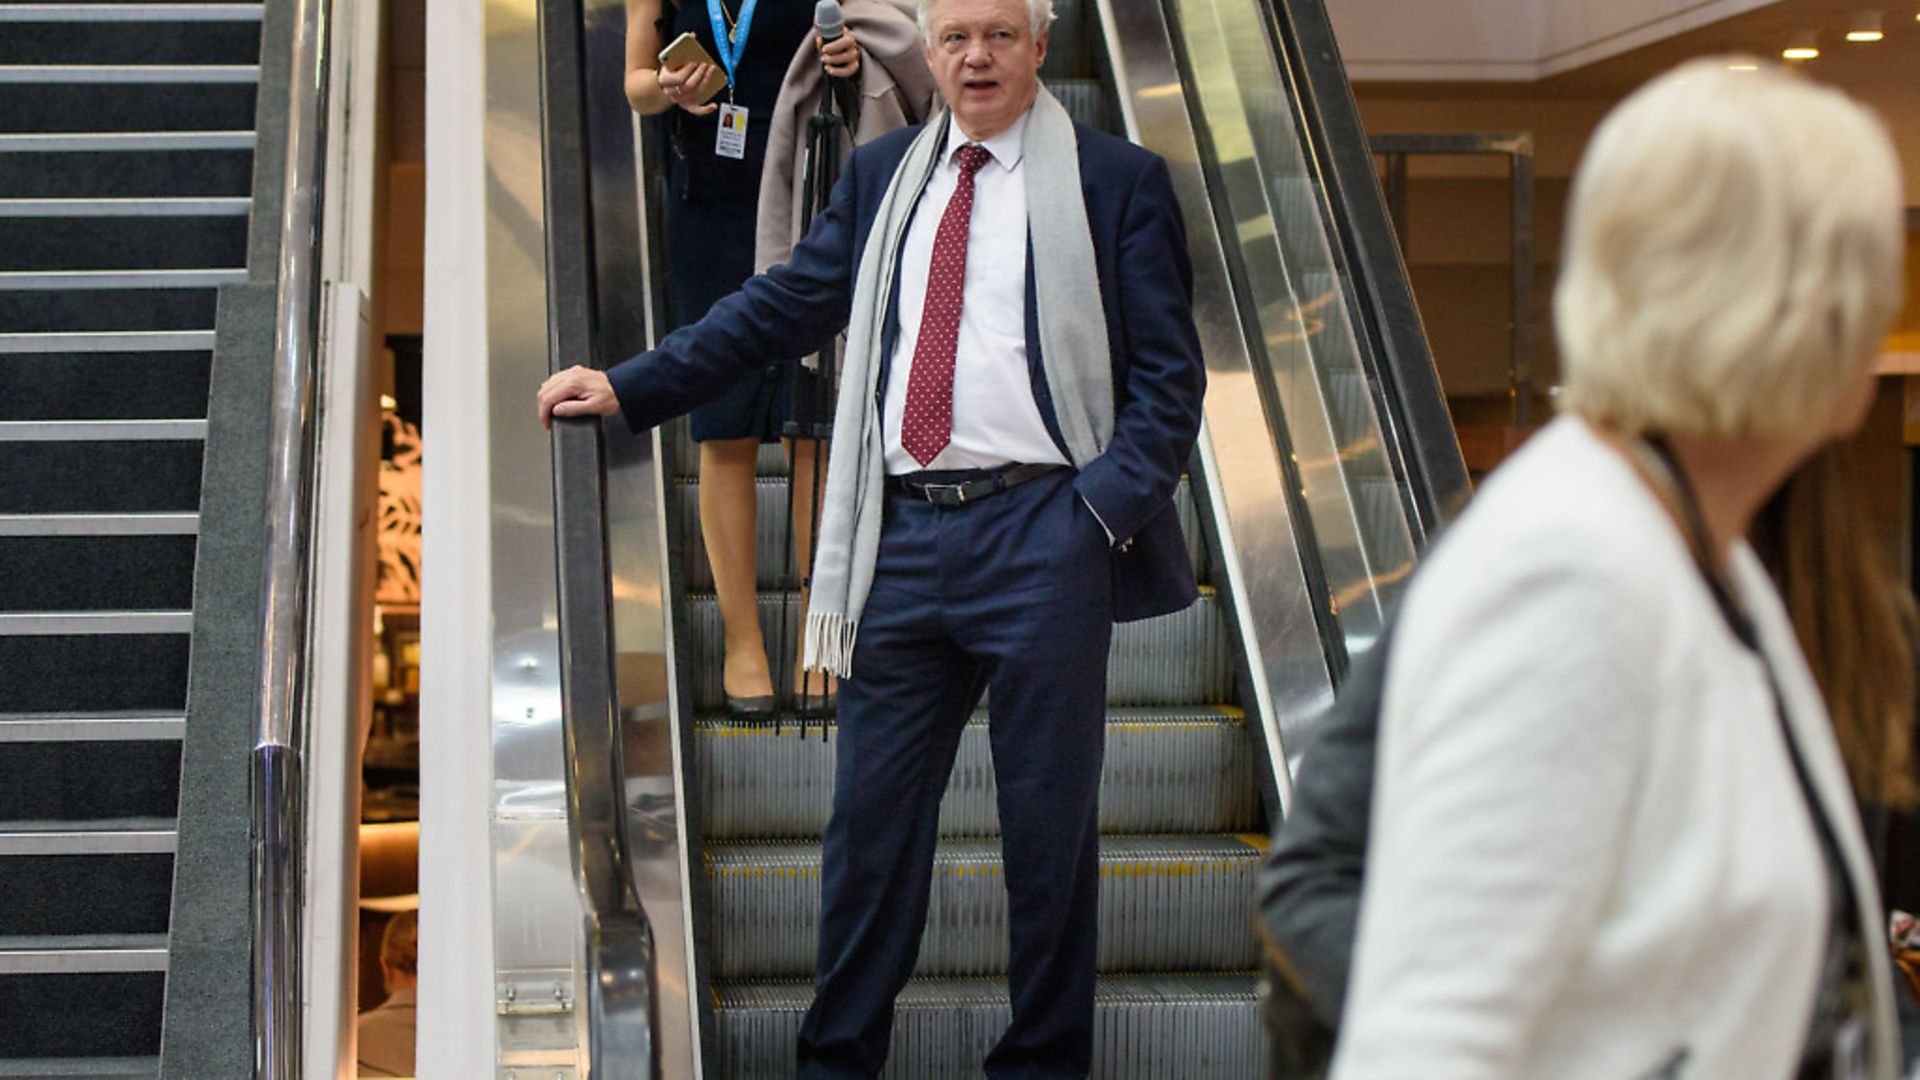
x=713 y=196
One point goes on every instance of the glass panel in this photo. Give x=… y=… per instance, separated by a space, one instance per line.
x=1270 y=200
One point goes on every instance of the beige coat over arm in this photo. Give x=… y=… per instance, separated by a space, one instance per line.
x=896 y=89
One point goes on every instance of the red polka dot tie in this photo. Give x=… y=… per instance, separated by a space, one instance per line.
x=926 y=424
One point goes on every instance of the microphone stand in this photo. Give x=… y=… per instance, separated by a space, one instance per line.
x=810 y=413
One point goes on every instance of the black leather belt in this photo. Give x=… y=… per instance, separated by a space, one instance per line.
x=963 y=487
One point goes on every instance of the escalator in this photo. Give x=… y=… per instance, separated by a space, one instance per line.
x=1326 y=460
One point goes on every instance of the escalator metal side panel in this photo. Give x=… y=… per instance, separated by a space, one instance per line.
x=629 y=295
x=1415 y=412
x=1240 y=479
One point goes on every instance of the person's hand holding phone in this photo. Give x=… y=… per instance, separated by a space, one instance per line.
x=681 y=85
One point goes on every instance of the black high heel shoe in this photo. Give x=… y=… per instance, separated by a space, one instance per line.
x=751 y=709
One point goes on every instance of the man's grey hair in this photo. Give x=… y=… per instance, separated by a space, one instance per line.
x=1039 y=16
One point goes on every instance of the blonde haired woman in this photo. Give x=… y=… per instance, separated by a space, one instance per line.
x=1612 y=836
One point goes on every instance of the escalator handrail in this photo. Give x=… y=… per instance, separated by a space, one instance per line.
x=1416 y=419
x=621 y=988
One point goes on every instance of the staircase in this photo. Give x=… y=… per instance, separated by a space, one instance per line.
x=126 y=146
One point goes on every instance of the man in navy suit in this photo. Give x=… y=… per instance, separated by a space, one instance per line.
x=999 y=564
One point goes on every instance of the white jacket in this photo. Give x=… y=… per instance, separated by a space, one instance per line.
x=1590 y=856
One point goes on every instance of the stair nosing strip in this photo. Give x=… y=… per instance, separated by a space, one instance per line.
x=141 y=524
x=89 y=623
x=109 y=341
x=126 y=13
x=48 y=1068
x=102 y=430
x=81 y=727
x=155 y=206
x=45 y=142
x=88 y=841
x=126 y=74
x=49 y=957
x=67 y=280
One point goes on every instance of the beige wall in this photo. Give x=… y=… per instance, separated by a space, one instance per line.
x=1458 y=213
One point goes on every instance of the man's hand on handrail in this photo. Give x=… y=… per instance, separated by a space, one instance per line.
x=577 y=391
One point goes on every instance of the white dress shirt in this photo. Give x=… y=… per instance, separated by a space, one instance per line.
x=996 y=420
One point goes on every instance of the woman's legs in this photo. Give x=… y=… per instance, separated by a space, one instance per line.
x=727 y=512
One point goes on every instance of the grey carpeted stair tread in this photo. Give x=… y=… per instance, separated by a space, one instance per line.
x=99 y=477
x=126 y=174
x=144 y=42
x=1166 y=903
x=85 y=894
x=96 y=573
x=61 y=1016
x=122 y=243
x=1171 y=770
x=82 y=781
x=68 y=386
x=70 y=310
x=92 y=673
x=137 y=107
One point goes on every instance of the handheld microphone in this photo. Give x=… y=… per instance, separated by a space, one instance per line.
x=829 y=20
x=830 y=23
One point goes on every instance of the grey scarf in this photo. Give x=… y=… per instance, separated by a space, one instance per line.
x=1074 y=356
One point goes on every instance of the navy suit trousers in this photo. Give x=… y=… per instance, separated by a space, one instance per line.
x=1012 y=593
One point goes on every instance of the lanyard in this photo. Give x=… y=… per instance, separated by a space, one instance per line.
x=731 y=44
x=1841 y=997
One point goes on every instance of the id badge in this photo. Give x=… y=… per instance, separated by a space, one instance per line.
x=732 y=139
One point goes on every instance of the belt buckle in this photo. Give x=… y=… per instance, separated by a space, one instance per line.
x=945 y=494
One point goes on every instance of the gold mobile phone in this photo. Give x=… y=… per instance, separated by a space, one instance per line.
x=686 y=49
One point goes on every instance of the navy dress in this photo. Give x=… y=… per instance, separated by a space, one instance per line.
x=713 y=202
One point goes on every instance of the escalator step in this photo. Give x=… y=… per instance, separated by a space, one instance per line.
x=1084 y=99
x=1145 y=1028
x=96 y=573
x=1185 y=658
x=1166 y=903
x=66 y=386
x=1166 y=770
x=773 y=546
x=77 y=107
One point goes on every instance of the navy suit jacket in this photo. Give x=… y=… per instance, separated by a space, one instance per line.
x=1146 y=287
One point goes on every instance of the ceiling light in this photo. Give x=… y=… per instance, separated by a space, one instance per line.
x=1802 y=45
x=1865 y=27
x=1743 y=65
